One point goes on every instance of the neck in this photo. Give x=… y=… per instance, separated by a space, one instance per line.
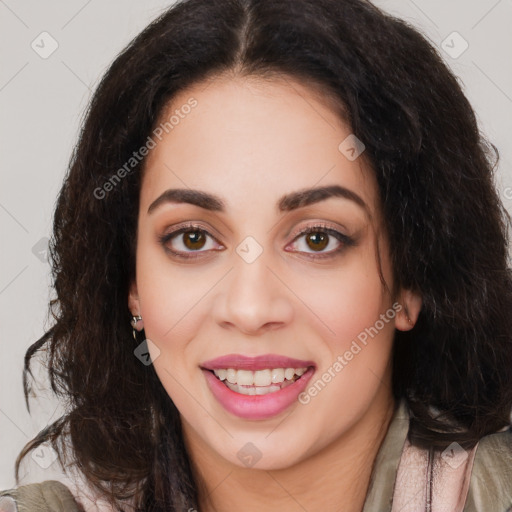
x=336 y=478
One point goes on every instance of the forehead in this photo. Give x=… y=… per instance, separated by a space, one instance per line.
x=253 y=139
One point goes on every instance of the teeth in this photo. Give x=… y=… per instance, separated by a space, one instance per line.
x=257 y=390
x=277 y=375
x=244 y=378
x=231 y=375
x=221 y=374
x=258 y=378
x=261 y=377
x=289 y=373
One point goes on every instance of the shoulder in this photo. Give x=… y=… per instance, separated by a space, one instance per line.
x=407 y=477
x=491 y=479
x=47 y=496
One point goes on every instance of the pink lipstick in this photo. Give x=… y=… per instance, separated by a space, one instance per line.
x=258 y=387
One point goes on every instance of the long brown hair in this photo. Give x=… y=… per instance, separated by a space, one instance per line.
x=447 y=229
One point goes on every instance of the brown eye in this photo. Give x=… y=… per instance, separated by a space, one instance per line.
x=320 y=241
x=317 y=240
x=194 y=239
x=189 y=242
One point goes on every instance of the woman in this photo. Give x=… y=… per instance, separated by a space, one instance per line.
x=290 y=207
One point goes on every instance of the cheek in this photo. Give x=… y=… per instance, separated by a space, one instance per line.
x=358 y=325
x=349 y=300
x=355 y=354
x=166 y=298
x=170 y=304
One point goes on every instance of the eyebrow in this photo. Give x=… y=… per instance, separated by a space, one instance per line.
x=288 y=202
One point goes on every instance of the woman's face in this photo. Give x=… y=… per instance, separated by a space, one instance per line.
x=246 y=266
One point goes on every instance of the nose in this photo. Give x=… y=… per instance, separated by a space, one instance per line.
x=253 y=299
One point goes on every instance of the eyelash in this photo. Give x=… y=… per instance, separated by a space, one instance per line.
x=344 y=240
x=166 y=237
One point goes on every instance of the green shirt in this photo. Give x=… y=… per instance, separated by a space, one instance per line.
x=488 y=480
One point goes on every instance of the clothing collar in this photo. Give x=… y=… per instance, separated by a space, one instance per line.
x=380 y=491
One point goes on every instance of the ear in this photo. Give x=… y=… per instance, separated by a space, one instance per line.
x=407 y=315
x=134 y=305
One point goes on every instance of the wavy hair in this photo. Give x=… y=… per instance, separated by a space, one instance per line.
x=447 y=227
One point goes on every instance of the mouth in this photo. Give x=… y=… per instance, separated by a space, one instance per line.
x=259 y=382
x=257 y=388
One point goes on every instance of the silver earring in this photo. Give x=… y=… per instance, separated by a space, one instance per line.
x=135 y=320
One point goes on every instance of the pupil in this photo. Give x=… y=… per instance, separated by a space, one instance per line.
x=319 y=240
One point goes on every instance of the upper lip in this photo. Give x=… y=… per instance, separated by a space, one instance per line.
x=240 y=362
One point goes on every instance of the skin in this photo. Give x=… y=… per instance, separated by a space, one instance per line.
x=250 y=141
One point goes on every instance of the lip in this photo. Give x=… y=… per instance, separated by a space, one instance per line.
x=256 y=407
x=240 y=362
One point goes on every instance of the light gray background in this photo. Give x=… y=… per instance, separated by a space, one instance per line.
x=42 y=102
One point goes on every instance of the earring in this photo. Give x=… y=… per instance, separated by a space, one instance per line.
x=135 y=320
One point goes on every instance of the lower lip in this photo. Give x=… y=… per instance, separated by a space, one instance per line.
x=257 y=407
